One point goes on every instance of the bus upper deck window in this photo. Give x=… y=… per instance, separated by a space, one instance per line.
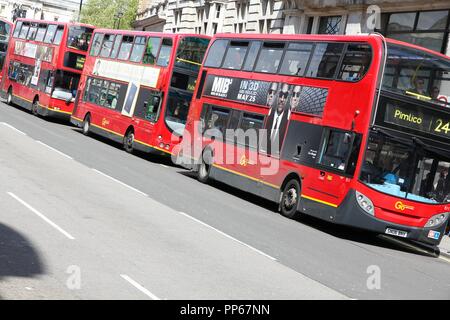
x=164 y=53
x=32 y=32
x=216 y=53
x=235 y=55
x=107 y=46
x=41 y=32
x=138 y=49
x=125 y=48
x=96 y=44
x=296 y=59
x=115 y=49
x=58 y=35
x=356 y=62
x=325 y=59
x=24 y=30
x=51 y=30
x=270 y=57
x=17 y=29
x=251 y=56
x=151 y=50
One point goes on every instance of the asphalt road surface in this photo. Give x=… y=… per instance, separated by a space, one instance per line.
x=82 y=219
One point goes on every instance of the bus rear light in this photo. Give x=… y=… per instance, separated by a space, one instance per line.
x=365 y=203
x=167 y=147
x=159 y=137
x=436 y=220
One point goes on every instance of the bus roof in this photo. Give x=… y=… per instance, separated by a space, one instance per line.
x=56 y=22
x=140 y=32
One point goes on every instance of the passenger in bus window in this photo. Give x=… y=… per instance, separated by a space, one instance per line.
x=419 y=86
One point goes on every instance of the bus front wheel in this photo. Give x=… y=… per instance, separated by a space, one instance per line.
x=204 y=168
x=128 y=141
x=290 y=198
x=87 y=125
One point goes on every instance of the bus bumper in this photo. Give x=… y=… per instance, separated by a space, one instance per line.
x=47 y=112
x=350 y=213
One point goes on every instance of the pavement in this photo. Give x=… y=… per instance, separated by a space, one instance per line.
x=82 y=219
x=444 y=246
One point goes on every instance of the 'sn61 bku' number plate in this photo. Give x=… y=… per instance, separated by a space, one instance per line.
x=397 y=233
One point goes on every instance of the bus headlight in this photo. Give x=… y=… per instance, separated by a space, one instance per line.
x=436 y=220
x=365 y=203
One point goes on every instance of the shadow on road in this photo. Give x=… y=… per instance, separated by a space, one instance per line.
x=18 y=258
x=57 y=121
x=154 y=158
x=335 y=230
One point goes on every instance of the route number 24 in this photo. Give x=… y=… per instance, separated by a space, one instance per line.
x=442 y=127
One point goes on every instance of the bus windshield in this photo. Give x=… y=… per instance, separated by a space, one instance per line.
x=417 y=74
x=177 y=110
x=190 y=53
x=79 y=37
x=66 y=85
x=406 y=169
x=4 y=31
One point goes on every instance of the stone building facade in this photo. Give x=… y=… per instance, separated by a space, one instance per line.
x=66 y=10
x=423 y=23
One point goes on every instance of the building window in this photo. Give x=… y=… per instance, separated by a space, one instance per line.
x=330 y=25
x=177 y=17
x=428 y=29
x=218 y=8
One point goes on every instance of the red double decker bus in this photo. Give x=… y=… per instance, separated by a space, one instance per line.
x=43 y=65
x=354 y=130
x=137 y=86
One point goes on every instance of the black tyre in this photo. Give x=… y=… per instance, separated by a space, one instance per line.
x=128 y=141
x=87 y=125
x=204 y=168
x=290 y=198
x=9 y=97
x=35 y=107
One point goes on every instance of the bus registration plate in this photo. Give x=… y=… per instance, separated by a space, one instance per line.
x=397 y=233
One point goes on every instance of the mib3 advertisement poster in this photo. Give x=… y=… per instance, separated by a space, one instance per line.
x=282 y=98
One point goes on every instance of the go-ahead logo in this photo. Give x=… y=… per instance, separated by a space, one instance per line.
x=401 y=206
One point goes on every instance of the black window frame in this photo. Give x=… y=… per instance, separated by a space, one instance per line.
x=385 y=17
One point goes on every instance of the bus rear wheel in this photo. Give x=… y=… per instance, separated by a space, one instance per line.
x=87 y=125
x=35 y=107
x=128 y=141
x=204 y=168
x=9 y=97
x=290 y=199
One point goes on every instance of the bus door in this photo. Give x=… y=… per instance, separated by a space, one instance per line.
x=336 y=162
x=146 y=112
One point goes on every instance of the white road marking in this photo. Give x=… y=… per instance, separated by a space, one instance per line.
x=11 y=127
x=57 y=151
x=120 y=182
x=139 y=287
x=40 y=215
x=228 y=236
x=163 y=165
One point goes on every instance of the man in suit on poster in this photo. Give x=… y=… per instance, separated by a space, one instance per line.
x=277 y=121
